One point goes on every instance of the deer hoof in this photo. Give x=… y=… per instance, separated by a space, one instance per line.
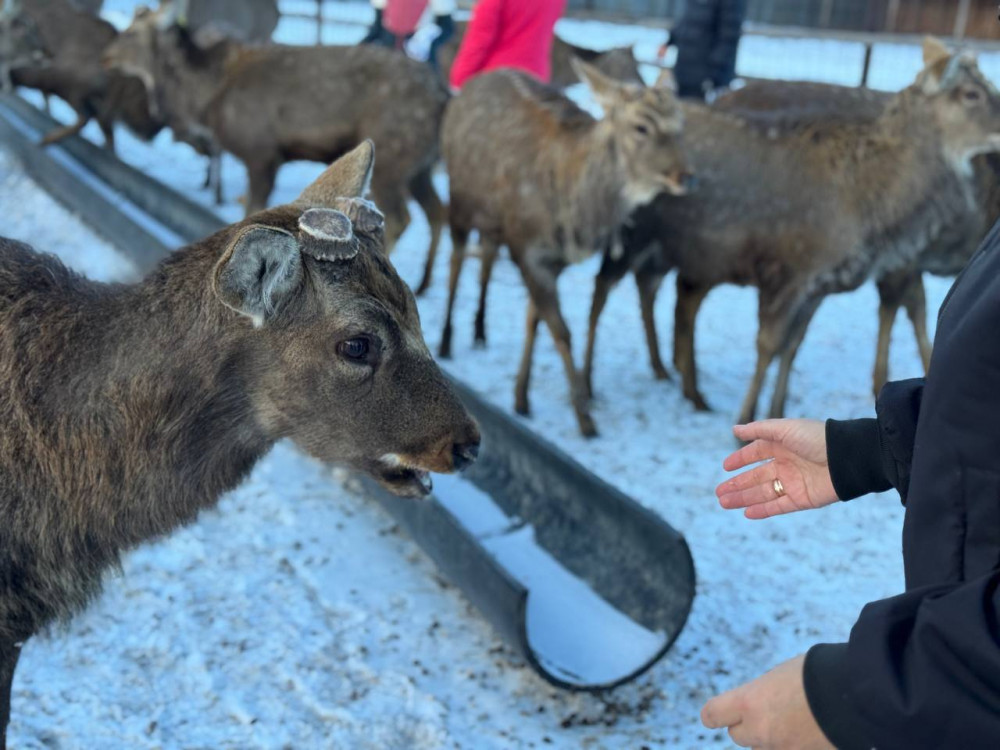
x=661 y=373
x=587 y=427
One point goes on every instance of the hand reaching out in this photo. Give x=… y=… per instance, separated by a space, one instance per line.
x=795 y=454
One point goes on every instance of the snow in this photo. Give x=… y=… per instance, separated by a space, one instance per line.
x=296 y=615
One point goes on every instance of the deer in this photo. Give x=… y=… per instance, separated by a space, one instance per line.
x=531 y=170
x=832 y=204
x=20 y=43
x=618 y=62
x=125 y=410
x=271 y=104
x=790 y=104
x=74 y=40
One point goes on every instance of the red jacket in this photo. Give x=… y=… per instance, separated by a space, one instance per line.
x=508 y=34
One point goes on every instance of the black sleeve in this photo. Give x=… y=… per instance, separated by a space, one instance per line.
x=874 y=455
x=898 y=408
x=921 y=670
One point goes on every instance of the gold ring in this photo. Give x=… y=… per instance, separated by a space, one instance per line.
x=779 y=488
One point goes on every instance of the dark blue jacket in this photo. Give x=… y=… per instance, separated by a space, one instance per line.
x=706 y=38
x=922 y=670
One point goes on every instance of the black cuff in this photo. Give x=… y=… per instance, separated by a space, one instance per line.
x=827 y=682
x=854 y=454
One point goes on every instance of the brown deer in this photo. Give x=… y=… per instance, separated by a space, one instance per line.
x=831 y=204
x=20 y=42
x=126 y=410
x=792 y=103
x=618 y=62
x=532 y=171
x=75 y=40
x=272 y=104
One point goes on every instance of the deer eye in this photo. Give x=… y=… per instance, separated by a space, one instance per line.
x=642 y=130
x=355 y=349
x=972 y=95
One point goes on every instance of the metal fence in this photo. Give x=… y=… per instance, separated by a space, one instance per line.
x=972 y=18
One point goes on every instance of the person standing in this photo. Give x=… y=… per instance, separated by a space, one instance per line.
x=707 y=38
x=922 y=669
x=508 y=34
x=397 y=20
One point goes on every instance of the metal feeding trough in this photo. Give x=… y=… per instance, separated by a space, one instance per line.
x=590 y=587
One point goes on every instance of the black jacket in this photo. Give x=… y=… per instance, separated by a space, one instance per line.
x=706 y=38
x=922 y=670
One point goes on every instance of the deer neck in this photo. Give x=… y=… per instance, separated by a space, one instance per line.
x=177 y=380
x=592 y=196
x=190 y=80
x=903 y=185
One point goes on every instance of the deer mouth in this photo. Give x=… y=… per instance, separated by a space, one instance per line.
x=402 y=480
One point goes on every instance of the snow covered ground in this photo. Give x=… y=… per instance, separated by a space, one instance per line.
x=297 y=616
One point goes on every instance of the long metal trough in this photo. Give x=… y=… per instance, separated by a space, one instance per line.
x=589 y=586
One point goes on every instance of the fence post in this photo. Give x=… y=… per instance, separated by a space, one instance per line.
x=962 y=18
x=892 y=16
x=867 y=64
x=319 y=23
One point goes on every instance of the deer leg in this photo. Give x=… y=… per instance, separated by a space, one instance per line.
x=524 y=371
x=489 y=250
x=540 y=278
x=108 y=131
x=391 y=200
x=58 y=134
x=649 y=285
x=775 y=323
x=608 y=276
x=915 y=301
x=689 y=299
x=887 y=309
x=423 y=192
x=261 y=176
x=788 y=354
x=9 y=654
x=213 y=174
x=459 y=239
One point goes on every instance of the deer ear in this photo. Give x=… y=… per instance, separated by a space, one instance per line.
x=348 y=177
x=666 y=80
x=260 y=270
x=607 y=91
x=934 y=51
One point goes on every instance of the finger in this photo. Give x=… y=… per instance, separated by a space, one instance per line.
x=754 y=453
x=760 y=475
x=776 y=507
x=721 y=711
x=742 y=736
x=765 y=429
x=757 y=495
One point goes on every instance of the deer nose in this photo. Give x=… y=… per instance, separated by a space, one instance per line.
x=464 y=455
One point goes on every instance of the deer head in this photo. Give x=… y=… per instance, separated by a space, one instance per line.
x=645 y=125
x=962 y=102
x=340 y=361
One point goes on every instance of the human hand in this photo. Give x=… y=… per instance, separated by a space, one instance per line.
x=795 y=453
x=770 y=713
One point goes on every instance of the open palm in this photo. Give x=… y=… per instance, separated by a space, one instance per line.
x=793 y=451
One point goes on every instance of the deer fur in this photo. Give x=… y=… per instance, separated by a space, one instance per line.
x=831 y=205
x=791 y=104
x=20 y=42
x=74 y=40
x=126 y=410
x=532 y=171
x=272 y=104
